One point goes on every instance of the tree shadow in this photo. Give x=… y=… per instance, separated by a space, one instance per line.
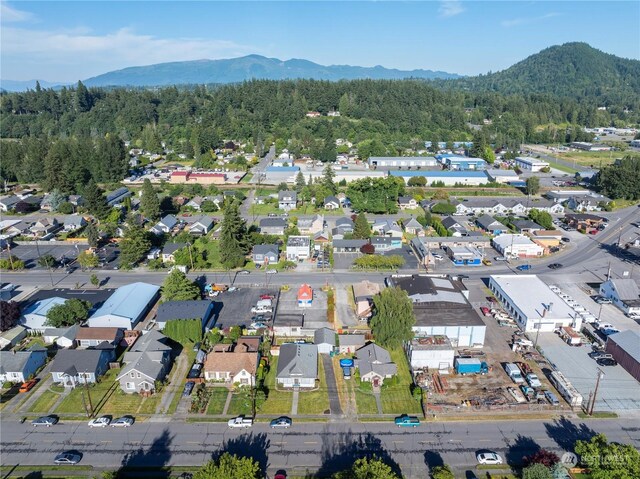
x=156 y=456
x=433 y=459
x=521 y=447
x=340 y=451
x=565 y=433
x=252 y=445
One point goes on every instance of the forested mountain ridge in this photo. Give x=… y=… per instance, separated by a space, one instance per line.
x=572 y=70
x=245 y=68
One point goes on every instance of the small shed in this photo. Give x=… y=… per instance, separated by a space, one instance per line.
x=305 y=296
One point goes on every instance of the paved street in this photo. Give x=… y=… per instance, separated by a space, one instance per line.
x=316 y=447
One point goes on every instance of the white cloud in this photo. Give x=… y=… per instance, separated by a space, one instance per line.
x=450 y=8
x=90 y=54
x=10 y=14
x=522 y=20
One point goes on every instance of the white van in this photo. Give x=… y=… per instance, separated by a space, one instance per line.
x=514 y=373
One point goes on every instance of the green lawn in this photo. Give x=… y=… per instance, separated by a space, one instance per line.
x=73 y=404
x=260 y=210
x=317 y=401
x=217 y=398
x=278 y=402
x=240 y=404
x=45 y=402
x=595 y=158
x=176 y=397
x=246 y=178
x=120 y=402
x=366 y=402
x=397 y=399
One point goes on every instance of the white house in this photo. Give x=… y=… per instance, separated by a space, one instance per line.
x=325 y=340
x=516 y=245
x=298 y=247
x=18 y=366
x=232 y=367
x=624 y=293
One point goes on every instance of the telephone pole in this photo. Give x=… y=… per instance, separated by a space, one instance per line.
x=86 y=387
x=595 y=392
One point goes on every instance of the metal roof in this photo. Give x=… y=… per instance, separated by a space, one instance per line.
x=128 y=301
x=439 y=174
x=629 y=341
x=194 y=309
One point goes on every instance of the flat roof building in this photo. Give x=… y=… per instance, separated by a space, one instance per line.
x=402 y=161
x=449 y=178
x=531 y=164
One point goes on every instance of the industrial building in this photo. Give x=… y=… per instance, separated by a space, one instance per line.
x=126 y=306
x=442 y=308
x=533 y=305
x=517 y=245
x=531 y=164
x=402 y=162
x=462 y=163
x=449 y=178
x=624 y=293
x=625 y=348
x=502 y=176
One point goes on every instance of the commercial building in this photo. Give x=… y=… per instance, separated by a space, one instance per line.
x=279 y=174
x=624 y=293
x=126 y=306
x=531 y=164
x=502 y=176
x=425 y=246
x=35 y=316
x=517 y=245
x=433 y=352
x=442 y=308
x=448 y=178
x=625 y=348
x=197 y=177
x=533 y=305
x=184 y=310
x=298 y=247
x=402 y=162
x=465 y=255
x=462 y=163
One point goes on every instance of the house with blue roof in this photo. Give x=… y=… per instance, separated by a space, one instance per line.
x=35 y=316
x=125 y=307
x=449 y=178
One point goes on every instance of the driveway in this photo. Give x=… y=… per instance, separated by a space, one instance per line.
x=332 y=387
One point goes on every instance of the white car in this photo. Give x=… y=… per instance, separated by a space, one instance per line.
x=272 y=271
x=437 y=256
x=533 y=381
x=102 y=421
x=489 y=458
x=603 y=326
x=124 y=421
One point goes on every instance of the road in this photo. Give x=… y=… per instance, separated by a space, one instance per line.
x=316 y=447
x=260 y=168
x=544 y=155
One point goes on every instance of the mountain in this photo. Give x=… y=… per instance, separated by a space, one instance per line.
x=573 y=69
x=246 y=68
x=17 y=85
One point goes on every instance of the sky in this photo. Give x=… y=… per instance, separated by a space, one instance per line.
x=70 y=41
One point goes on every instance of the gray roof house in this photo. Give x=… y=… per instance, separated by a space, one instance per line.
x=72 y=367
x=345 y=223
x=325 y=339
x=491 y=225
x=287 y=200
x=349 y=343
x=201 y=226
x=265 y=253
x=407 y=202
x=331 y=203
x=179 y=310
x=311 y=225
x=527 y=226
x=72 y=223
x=19 y=366
x=273 y=226
x=117 y=196
x=297 y=365
x=62 y=337
x=165 y=225
x=169 y=250
x=413 y=226
x=146 y=362
x=349 y=245
x=374 y=363
x=8 y=203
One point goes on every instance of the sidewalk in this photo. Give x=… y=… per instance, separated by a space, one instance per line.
x=179 y=374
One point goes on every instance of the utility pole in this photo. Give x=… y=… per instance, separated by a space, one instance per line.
x=86 y=386
x=595 y=392
x=190 y=255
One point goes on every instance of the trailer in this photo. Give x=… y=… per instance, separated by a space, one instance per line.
x=569 y=335
x=566 y=389
x=470 y=366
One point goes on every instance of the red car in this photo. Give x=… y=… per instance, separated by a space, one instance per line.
x=28 y=385
x=593 y=232
x=486 y=311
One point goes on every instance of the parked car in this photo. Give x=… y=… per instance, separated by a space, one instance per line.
x=500 y=258
x=533 y=380
x=27 y=385
x=188 y=388
x=124 y=421
x=244 y=271
x=524 y=267
x=486 y=262
x=555 y=266
x=610 y=331
x=195 y=371
x=45 y=421
x=599 y=355
x=552 y=398
x=272 y=271
x=489 y=457
x=606 y=362
x=486 y=311
x=602 y=300
x=272 y=215
x=565 y=239
x=281 y=422
x=102 y=421
x=68 y=457
x=407 y=421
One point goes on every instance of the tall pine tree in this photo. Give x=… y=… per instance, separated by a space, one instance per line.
x=95 y=201
x=361 y=228
x=149 y=201
x=327 y=179
x=234 y=243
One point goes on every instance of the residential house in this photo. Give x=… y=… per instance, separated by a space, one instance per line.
x=248 y=344
x=45 y=227
x=116 y=197
x=184 y=310
x=287 y=200
x=348 y=246
x=624 y=293
x=325 y=340
x=34 y=316
x=505 y=206
x=195 y=202
x=8 y=203
x=331 y=203
x=19 y=366
x=169 y=251
x=297 y=365
x=583 y=221
x=298 y=248
x=309 y=226
x=273 y=226
x=72 y=367
x=13 y=336
x=453 y=226
x=146 y=362
x=592 y=202
x=526 y=226
x=516 y=245
x=491 y=225
x=345 y=224
x=200 y=226
x=73 y=223
x=387 y=228
x=237 y=367
x=321 y=237
x=385 y=243
x=413 y=227
x=349 y=343
x=363 y=293
x=126 y=306
x=305 y=296
x=92 y=337
x=165 y=225
x=374 y=363
x=61 y=337
x=407 y=203
x=76 y=200
x=265 y=253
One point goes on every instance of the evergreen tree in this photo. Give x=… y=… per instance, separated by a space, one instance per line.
x=56 y=199
x=234 y=240
x=533 y=185
x=177 y=287
x=327 y=179
x=95 y=201
x=134 y=246
x=393 y=318
x=93 y=235
x=84 y=99
x=300 y=183
x=361 y=228
x=149 y=201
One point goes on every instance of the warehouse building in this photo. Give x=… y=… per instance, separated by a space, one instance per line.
x=502 y=176
x=126 y=306
x=532 y=303
x=402 y=162
x=531 y=164
x=449 y=178
x=516 y=246
x=625 y=348
x=462 y=163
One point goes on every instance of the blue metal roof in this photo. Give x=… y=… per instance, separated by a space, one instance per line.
x=41 y=308
x=439 y=174
x=128 y=301
x=283 y=169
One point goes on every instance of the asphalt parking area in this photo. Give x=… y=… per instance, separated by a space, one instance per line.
x=94 y=296
x=314 y=317
x=234 y=308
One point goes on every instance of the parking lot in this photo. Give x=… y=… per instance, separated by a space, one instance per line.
x=314 y=317
x=234 y=308
x=94 y=296
x=30 y=253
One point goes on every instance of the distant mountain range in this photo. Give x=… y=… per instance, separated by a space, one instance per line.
x=16 y=85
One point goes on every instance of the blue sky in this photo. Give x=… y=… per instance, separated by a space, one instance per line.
x=67 y=41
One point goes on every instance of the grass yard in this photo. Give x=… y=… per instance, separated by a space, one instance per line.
x=397 y=399
x=217 y=398
x=7 y=395
x=176 y=397
x=118 y=403
x=45 y=402
x=246 y=178
x=595 y=158
x=315 y=402
x=73 y=404
x=261 y=210
x=365 y=402
x=278 y=402
x=240 y=404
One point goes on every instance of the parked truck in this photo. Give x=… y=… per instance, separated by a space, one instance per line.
x=407 y=421
x=570 y=336
x=470 y=366
x=240 y=422
x=215 y=288
x=513 y=372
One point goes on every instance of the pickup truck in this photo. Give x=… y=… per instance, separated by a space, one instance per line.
x=240 y=422
x=407 y=421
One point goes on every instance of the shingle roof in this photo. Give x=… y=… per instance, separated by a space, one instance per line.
x=273 y=223
x=171 y=248
x=13 y=362
x=194 y=309
x=287 y=194
x=97 y=333
x=324 y=336
x=146 y=355
x=73 y=361
x=331 y=199
x=488 y=222
x=298 y=361
x=449 y=222
x=527 y=224
x=349 y=243
x=351 y=339
x=232 y=362
x=128 y=301
x=265 y=249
